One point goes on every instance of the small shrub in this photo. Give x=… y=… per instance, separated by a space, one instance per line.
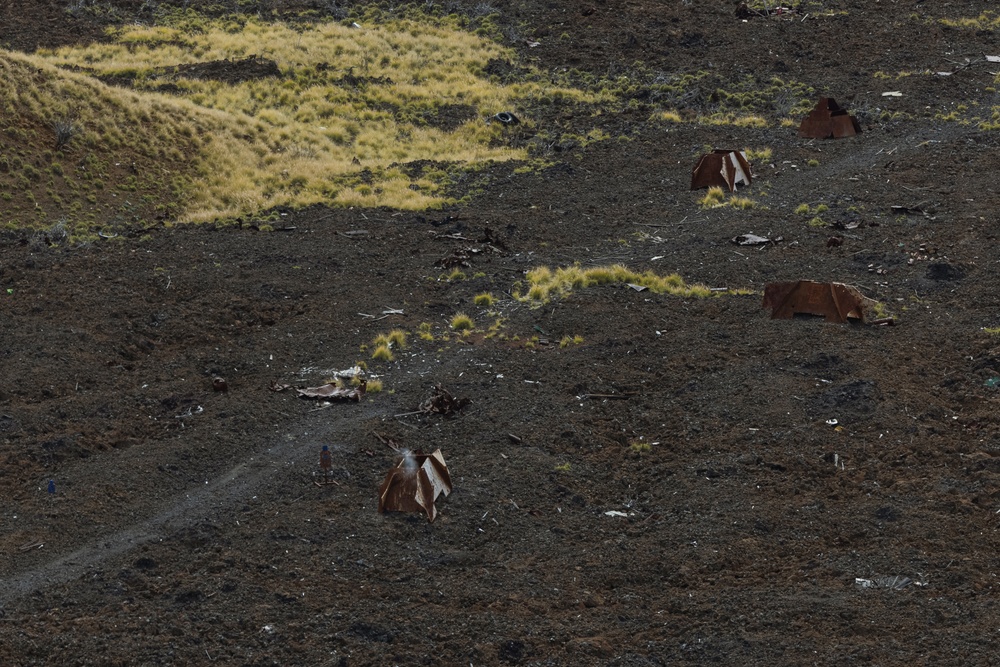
x=802 y=209
x=64 y=129
x=566 y=341
x=813 y=163
x=485 y=299
x=562 y=467
x=373 y=386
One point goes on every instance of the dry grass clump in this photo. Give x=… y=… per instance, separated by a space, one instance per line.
x=759 y=154
x=462 y=322
x=713 y=198
x=397 y=338
x=545 y=283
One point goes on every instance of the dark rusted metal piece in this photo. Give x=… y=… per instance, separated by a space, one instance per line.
x=415 y=484
x=443 y=402
x=828 y=119
x=723 y=168
x=836 y=302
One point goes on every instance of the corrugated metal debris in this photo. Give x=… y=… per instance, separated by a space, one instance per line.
x=828 y=120
x=415 y=484
x=836 y=302
x=723 y=168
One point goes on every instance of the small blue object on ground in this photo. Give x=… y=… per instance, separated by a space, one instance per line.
x=52 y=486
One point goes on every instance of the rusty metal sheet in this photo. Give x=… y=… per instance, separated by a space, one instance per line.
x=722 y=168
x=415 y=484
x=836 y=302
x=827 y=119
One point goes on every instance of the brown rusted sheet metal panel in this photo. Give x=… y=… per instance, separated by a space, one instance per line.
x=722 y=168
x=836 y=302
x=415 y=484
x=827 y=119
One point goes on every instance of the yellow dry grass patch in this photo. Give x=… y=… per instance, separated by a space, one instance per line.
x=987 y=20
x=545 y=283
x=345 y=96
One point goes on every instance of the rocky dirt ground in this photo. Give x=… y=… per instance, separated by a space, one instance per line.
x=185 y=527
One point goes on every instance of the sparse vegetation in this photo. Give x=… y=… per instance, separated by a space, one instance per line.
x=485 y=299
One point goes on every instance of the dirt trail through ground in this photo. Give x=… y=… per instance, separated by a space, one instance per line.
x=287 y=460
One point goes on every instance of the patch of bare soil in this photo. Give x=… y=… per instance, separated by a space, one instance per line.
x=692 y=483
